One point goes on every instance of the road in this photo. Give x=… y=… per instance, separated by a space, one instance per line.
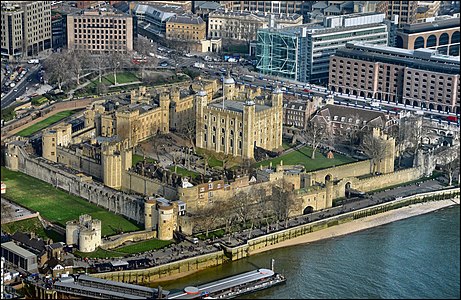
x=20 y=88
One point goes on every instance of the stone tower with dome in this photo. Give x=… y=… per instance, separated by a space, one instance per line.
x=235 y=126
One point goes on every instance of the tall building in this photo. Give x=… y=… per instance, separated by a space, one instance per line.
x=97 y=31
x=419 y=78
x=406 y=10
x=302 y=52
x=441 y=33
x=26 y=28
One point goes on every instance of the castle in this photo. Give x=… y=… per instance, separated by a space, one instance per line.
x=236 y=126
x=233 y=125
x=86 y=233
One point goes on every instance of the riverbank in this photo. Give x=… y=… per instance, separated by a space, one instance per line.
x=364 y=223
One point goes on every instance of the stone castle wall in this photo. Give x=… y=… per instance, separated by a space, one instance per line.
x=115 y=201
x=132 y=182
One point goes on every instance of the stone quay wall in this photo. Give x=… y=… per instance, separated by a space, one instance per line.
x=153 y=274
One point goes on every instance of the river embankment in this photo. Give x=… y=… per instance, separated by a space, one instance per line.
x=364 y=223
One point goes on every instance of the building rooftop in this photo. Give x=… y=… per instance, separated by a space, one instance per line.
x=236 y=106
x=11 y=246
x=186 y=19
x=437 y=24
x=425 y=59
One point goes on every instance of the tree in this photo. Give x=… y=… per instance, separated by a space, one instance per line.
x=148 y=52
x=412 y=132
x=78 y=62
x=117 y=61
x=315 y=134
x=284 y=201
x=375 y=148
x=206 y=218
x=100 y=62
x=450 y=162
x=57 y=69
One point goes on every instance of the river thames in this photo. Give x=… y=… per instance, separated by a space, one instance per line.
x=418 y=257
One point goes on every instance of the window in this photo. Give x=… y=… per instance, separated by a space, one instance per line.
x=202 y=189
x=210 y=186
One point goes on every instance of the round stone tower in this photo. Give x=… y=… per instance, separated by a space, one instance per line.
x=72 y=233
x=229 y=88
x=165 y=221
x=148 y=210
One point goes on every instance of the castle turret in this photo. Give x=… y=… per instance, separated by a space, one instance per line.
x=166 y=221
x=112 y=166
x=229 y=88
x=72 y=233
x=164 y=102
x=149 y=207
x=201 y=101
x=248 y=140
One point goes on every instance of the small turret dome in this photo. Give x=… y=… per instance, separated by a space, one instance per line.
x=201 y=93
x=229 y=80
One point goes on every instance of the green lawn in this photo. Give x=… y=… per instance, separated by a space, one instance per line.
x=143 y=246
x=184 y=172
x=122 y=251
x=303 y=157
x=217 y=233
x=124 y=77
x=99 y=253
x=108 y=80
x=32 y=225
x=58 y=206
x=45 y=123
x=137 y=158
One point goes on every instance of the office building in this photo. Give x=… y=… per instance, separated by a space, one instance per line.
x=441 y=33
x=236 y=25
x=20 y=257
x=406 y=10
x=302 y=52
x=419 y=78
x=185 y=28
x=97 y=31
x=26 y=28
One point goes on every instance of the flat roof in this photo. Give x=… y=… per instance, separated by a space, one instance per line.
x=115 y=283
x=74 y=285
x=237 y=106
x=11 y=246
x=225 y=283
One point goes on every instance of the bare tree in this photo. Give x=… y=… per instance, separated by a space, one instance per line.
x=241 y=202
x=100 y=62
x=450 y=162
x=78 y=62
x=148 y=52
x=206 y=218
x=284 y=201
x=117 y=61
x=375 y=148
x=315 y=134
x=57 y=69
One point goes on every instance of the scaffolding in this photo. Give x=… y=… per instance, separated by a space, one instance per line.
x=277 y=53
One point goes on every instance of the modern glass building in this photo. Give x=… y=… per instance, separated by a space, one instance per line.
x=302 y=53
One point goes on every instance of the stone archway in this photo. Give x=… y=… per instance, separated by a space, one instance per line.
x=347 y=189
x=309 y=209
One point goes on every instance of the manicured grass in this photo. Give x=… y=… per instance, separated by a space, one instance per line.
x=124 y=77
x=122 y=251
x=57 y=206
x=45 y=123
x=99 y=253
x=137 y=158
x=286 y=145
x=143 y=246
x=32 y=225
x=184 y=172
x=303 y=157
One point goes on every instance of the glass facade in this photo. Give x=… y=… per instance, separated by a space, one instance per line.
x=277 y=53
x=303 y=54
